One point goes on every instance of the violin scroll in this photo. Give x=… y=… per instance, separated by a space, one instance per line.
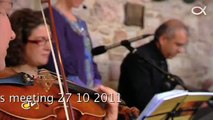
x=10 y=77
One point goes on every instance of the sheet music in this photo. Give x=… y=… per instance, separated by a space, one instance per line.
x=163 y=103
x=157 y=100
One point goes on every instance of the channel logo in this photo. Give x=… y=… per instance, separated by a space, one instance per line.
x=30 y=105
x=197 y=10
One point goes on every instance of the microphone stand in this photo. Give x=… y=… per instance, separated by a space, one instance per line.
x=128 y=41
x=102 y=49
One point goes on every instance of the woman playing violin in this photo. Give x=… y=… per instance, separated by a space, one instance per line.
x=31 y=49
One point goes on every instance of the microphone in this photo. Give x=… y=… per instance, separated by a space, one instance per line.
x=172 y=81
x=102 y=49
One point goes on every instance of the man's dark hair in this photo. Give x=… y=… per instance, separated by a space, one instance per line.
x=169 y=28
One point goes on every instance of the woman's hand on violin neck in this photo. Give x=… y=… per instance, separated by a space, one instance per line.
x=112 y=107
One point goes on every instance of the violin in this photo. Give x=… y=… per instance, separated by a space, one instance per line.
x=125 y=112
x=42 y=100
x=37 y=102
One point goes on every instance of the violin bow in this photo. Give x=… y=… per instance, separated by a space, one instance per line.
x=55 y=37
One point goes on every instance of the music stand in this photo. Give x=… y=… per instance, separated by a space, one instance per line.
x=174 y=105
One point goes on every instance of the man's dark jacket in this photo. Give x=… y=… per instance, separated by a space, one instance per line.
x=139 y=81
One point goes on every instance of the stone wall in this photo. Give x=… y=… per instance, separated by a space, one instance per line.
x=105 y=19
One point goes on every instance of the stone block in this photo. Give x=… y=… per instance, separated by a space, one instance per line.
x=134 y=15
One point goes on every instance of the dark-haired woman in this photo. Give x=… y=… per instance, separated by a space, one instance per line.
x=31 y=49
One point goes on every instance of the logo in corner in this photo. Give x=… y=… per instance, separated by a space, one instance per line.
x=30 y=105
